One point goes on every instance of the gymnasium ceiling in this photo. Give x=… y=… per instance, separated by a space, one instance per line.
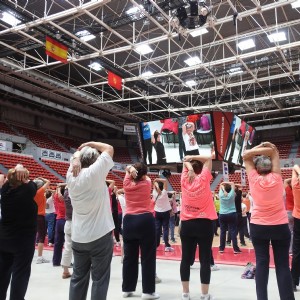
x=260 y=84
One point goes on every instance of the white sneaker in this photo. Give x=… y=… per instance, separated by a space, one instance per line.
x=169 y=249
x=118 y=244
x=185 y=296
x=150 y=296
x=157 y=279
x=42 y=260
x=127 y=294
x=206 y=297
x=214 y=268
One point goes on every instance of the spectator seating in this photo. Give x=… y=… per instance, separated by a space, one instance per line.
x=68 y=143
x=121 y=155
x=59 y=167
x=6 y=129
x=40 y=139
x=10 y=160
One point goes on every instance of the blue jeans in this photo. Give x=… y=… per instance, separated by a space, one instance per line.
x=172 y=227
x=59 y=241
x=162 y=222
x=229 y=220
x=279 y=236
x=94 y=257
x=50 y=220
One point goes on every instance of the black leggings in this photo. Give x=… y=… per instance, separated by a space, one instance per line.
x=198 y=231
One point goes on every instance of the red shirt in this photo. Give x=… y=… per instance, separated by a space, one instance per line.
x=59 y=205
x=289 y=198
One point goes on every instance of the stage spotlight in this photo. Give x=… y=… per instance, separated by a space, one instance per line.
x=182 y=16
x=194 y=8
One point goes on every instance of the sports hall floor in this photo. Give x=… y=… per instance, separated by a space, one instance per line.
x=226 y=284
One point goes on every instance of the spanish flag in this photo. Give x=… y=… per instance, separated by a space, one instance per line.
x=56 y=50
x=114 y=80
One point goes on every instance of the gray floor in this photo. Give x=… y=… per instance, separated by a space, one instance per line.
x=226 y=284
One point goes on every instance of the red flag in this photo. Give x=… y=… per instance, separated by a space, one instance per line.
x=56 y=50
x=114 y=80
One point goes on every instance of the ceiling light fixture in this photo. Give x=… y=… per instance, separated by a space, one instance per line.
x=235 y=71
x=9 y=19
x=95 y=66
x=277 y=37
x=198 y=32
x=246 y=44
x=147 y=73
x=296 y=4
x=192 y=61
x=85 y=35
x=135 y=12
x=191 y=83
x=143 y=49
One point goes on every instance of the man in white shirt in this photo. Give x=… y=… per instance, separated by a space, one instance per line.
x=92 y=222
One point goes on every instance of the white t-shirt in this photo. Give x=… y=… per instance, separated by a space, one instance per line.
x=122 y=201
x=50 y=209
x=162 y=203
x=190 y=142
x=244 y=209
x=92 y=217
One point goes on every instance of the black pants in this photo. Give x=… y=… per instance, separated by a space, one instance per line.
x=15 y=266
x=280 y=236
x=196 y=231
x=148 y=150
x=115 y=216
x=162 y=220
x=239 y=229
x=139 y=233
x=296 y=252
x=181 y=144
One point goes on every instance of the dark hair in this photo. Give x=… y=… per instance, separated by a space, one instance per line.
x=244 y=194
x=156 y=134
x=141 y=169
x=62 y=189
x=227 y=187
x=160 y=185
x=197 y=166
x=48 y=194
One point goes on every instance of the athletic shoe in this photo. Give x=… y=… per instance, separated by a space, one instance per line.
x=50 y=244
x=150 y=296
x=214 y=268
x=173 y=241
x=169 y=249
x=228 y=243
x=206 y=297
x=185 y=296
x=127 y=294
x=118 y=244
x=237 y=251
x=157 y=279
x=42 y=260
x=221 y=250
x=243 y=244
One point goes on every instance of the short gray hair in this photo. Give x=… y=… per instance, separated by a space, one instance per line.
x=88 y=156
x=263 y=164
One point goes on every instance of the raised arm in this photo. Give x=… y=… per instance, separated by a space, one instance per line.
x=101 y=147
x=111 y=183
x=296 y=172
x=265 y=148
x=164 y=181
x=205 y=159
x=46 y=182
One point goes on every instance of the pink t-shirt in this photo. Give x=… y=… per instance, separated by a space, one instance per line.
x=268 y=203
x=296 y=193
x=197 y=201
x=138 y=195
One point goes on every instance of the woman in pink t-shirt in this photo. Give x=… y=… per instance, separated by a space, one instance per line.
x=197 y=215
x=296 y=230
x=269 y=222
x=138 y=233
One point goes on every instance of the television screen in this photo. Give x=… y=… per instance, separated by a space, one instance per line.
x=240 y=138
x=168 y=141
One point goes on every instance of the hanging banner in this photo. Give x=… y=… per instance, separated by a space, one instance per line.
x=243 y=177
x=225 y=171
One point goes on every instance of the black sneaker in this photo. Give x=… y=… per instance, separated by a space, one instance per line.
x=221 y=250
x=238 y=251
x=228 y=243
x=243 y=244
